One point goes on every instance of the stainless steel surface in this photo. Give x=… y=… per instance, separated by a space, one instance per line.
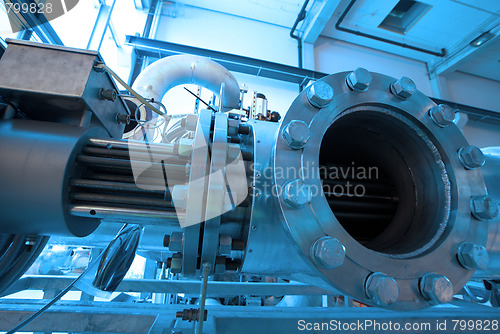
x=168 y=72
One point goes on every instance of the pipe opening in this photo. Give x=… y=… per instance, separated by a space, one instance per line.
x=384 y=182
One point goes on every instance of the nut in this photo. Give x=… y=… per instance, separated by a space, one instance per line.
x=122 y=118
x=472 y=256
x=296 y=193
x=175 y=263
x=225 y=242
x=443 y=115
x=328 y=252
x=436 y=288
x=179 y=196
x=320 y=94
x=382 y=289
x=403 y=88
x=483 y=207
x=359 y=80
x=220 y=265
x=190 y=122
x=471 y=157
x=296 y=134
x=185 y=147
x=175 y=242
x=107 y=94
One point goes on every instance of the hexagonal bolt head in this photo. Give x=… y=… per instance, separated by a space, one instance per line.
x=483 y=207
x=443 y=115
x=403 y=88
x=328 y=252
x=179 y=196
x=185 y=147
x=359 y=80
x=382 y=289
x=122 y=118
x=296 y=134
x=320 y=94
x=296 y=193
x=107 y=94
x=175 y=242
x=472 y=256
x=471 y=157
x=220 y=265
x=436 y=288
x=233 y=152
x=225 y=243
x=190 y=122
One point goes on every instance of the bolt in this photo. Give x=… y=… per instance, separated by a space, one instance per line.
x=359 y=80
x=189 y=122
x=296 y=193
x=185 y=147
x=225 y=243
x=436 y=288
x=122 y=118
x=179 y=196
x=220 y=265
x=328 y=252
x=443 y=115
x=472 y=256
x=471 y=157
x=175 y=263
x=296 y=134
x=175 y=241
x=403 y=88
x=320 y=94
x=107 y=94
x=382 y=289
x=483 y=207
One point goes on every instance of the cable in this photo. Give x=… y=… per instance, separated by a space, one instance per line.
x=133 y=92
x=55 y=299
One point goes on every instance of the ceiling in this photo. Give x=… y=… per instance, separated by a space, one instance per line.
x=444 y=24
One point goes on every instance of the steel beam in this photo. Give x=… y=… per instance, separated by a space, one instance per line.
x=101 y=26
x=112 y=317
x=464 y=53
x=159 y=49
x=317 y=18
x=188 y=287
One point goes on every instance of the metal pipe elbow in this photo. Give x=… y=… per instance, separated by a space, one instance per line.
x=158 y=78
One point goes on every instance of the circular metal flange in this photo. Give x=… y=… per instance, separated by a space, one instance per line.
x=195 y=208
x=454 y=224
x=216 y=192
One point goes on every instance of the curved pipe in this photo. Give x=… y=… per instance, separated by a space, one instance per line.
x=158 y=78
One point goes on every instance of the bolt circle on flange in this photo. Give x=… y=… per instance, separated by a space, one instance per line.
x=382 y=288
x=320 y=94
x=437 y=289
x=471 y=157
x=403 y=88
x=483 y=207
x=328 y=252
x=443 y=115
x=296 y=134
x=296 y=193
x=472 y=256
x=359 y=80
